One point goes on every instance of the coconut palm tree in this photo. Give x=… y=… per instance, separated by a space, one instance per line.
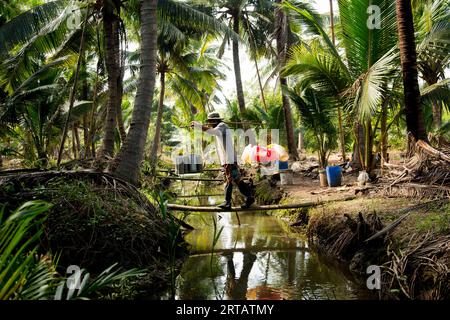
x=111 y=33
x=317 y=115
x=234 y=14
x=432 y=22
x=268 y=29
x=36 y=107
x=127 y=162
x=132 y=151
x=340 y=124
x=184 y=76
x=43 y=32
x=408 y=57
x=282 y=44
x=357 y=81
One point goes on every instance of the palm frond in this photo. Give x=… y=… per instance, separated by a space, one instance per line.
x=436 y=93
x=183 y=15
x=307 y=16
x=320 y=69
x=371 y=86
x=18 y=236
x=365 y=44
x=25 y=26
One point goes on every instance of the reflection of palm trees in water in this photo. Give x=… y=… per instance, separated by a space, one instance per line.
x=237 y=288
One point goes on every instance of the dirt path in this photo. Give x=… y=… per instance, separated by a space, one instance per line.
x=308 y=189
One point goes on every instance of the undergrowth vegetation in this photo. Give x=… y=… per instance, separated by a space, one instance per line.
x=95 y=222
x=26 y=274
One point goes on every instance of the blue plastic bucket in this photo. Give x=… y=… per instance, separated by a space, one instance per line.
x=282 y=165
x=334 y=175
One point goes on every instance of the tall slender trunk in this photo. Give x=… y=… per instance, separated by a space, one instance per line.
x=358 y=148
x=120 y=123
x=112 y=63
x=436 y=105
x=333 y=37
x=73 y=89
x=84 y=96
x=90 y=146
x=301 y=144
x=437 y=114
x=282 y=47
x=157 y=138
x=131 y=153
x=76 y=141
x=339 y=109
x=74 y=147
x=408 y=58
x=261 y=88
x=384 y=133
x=253 y=43
x=341 y=134
x=368 y=146
x=237 y=65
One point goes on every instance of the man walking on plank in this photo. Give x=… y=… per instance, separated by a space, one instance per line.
x=227 y=157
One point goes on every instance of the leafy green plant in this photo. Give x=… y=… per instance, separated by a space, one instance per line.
x=23 y=275
x=26 y=275
x=87 y=288
x=174 y=232
x=316 y=114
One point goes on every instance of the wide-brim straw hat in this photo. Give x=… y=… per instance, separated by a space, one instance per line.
x=214 y=117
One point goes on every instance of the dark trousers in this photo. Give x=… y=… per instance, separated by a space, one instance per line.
x=232 y=175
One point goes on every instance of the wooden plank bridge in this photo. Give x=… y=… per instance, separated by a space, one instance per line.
x=180 y=207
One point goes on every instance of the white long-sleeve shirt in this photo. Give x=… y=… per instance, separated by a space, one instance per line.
x=224 y=143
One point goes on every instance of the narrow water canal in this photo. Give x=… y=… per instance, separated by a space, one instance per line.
x=258 y=259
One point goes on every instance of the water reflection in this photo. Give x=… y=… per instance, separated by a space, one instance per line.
x=257 y=260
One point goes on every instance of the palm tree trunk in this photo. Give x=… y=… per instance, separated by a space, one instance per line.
x=437 y=114
x=408 y=58
x=112 y=51
x=237 y=66
x=301 y=144
x=157 y=138
x=341 y=134
x=253 y=43
x=75 y=141
x=384 y=134
x=131 y=153
x=77 y=138
x=358 y=148
x=90 y=146
x=84 y=96
x=72 y=91
x=292 y=149
x=333 y=37
x=368 y=150
x=282 y=45
x=339 y=109
x=437 y=106
x=261 y=88
x=120 y=123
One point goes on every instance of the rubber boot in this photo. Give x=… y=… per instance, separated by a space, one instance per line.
x=246 y=189
x=226 y=205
